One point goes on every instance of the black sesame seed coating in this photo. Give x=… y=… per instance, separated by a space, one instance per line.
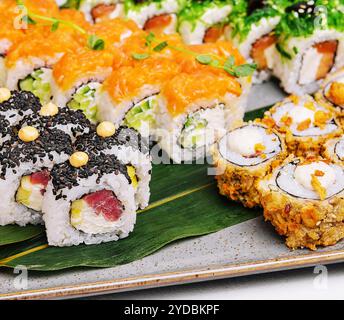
x=124 y=137
x=15 y=151
x=64 y=175
x=5 y=127
x=20 y=103
x=73 y=122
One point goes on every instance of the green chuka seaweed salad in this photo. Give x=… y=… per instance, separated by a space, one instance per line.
x=93 y=42
x=304 y=18
x=228 y=65
x=247 y=13
x=194 y=10
x=71 y=4
x=137 y=5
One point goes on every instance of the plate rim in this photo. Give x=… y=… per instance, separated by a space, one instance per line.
x=184 y=276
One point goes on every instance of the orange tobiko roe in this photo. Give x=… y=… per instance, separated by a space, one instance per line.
x=82 y=64
x=126 y=82
x=185 y=89
x=42 y=44
x=74 y=16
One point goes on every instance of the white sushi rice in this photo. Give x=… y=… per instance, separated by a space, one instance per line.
x=143 y=166
x=57 y=216
x=334 y=149
x=25 y=67
x=194 y=32
x=326 y=85
x=2 y=72
x=12 y=212
x=152 y=9
x=108 y=110
x=297 y=75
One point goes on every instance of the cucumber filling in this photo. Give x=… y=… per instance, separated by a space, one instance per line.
x=193 y=134
x=142 y=115
x=38 y=82
x=84 y=99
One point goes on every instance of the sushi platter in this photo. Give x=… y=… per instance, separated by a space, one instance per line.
x=159 y=142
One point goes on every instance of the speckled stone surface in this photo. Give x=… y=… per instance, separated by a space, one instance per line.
x=253 y=240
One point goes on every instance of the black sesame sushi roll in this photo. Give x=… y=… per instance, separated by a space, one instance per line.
x=243 y=157
x=15 y=105
x=72 y=122
x=129 y=147
x=334 y=150
x=6 y=131
x=304 y=200
x=306 y=124
x=89 y=200
x=25 y=163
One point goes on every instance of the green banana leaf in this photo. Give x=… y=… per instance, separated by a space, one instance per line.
x=184 y=203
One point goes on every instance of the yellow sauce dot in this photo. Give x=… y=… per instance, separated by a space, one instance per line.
x=78 y=159
x=50 y=109
x=28 y=134
x=106 y=129
x=5 y=94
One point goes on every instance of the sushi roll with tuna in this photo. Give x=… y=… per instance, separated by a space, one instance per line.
x=251 y=28
x=89 y=200
x=304 y=201
x=310 y=45
x=77 y=79
x=194 y=111
x=130 y=95
x=204 y=21
x=50 y=116
x=25 y=163
x=244 y=156
x=129 y=147
x=332 y=91
x=334 y=150
x=154 y=15
x=18 y=104
x=306 y=124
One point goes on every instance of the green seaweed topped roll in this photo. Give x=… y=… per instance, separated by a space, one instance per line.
x=204 y=21
x=309 y=44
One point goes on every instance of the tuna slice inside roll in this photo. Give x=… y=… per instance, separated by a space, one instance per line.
x=199 y=128
x=85 y=99
x=339 y=149
x=142 y=115
x=316 y=180
x=250 y=145
x=38 y=82
x=334 y=91
x=102 y=11
x=304 y=118
x=260 y=50
x=97 y=212
x=31 y=190
x=318 y=61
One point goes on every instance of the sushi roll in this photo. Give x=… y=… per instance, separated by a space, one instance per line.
x=194 y=111
x=6 y=130
x=204 y=21
x=130 y=95
x=309 y=45
x=25 y=162
x=251 y=28
x=89 y=201
x=243 y=157
x=129 y=147
x=29 y=64
x=305 y=124
x=77 y=79
x=304 y=201
x=50 y=116
x=18 y=105
x=154 y=15
x=334 y=150
x=332 y=92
